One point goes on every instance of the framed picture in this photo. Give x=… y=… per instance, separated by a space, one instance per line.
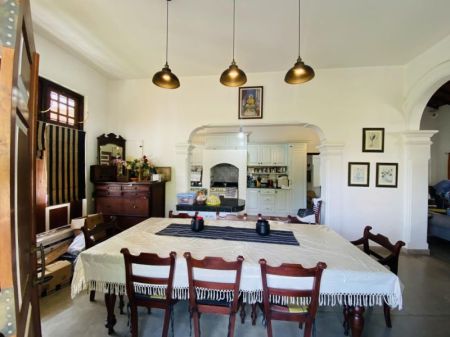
x=250 y=102
x=387 y=174
x=358 y=174
x=373 y=140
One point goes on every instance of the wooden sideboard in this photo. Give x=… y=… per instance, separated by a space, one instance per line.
x=130 y=202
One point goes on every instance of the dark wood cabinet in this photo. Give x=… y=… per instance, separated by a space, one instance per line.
x=130 y=202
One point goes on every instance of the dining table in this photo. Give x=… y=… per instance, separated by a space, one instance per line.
x=352 y=279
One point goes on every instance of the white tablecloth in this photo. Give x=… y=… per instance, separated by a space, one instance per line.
x=352 y=277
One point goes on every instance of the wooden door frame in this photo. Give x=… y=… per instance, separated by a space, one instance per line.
x=19 y=11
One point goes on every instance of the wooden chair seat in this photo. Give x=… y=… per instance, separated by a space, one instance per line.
x=223 y=306
x=164 y=302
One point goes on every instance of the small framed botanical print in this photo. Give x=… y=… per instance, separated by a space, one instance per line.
x=358 y=174
x=387 y=175
x=250 y=102
x=373 y=140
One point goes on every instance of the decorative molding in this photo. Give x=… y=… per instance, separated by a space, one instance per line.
x=8 y=27
x=7 y=310
x=421 y=137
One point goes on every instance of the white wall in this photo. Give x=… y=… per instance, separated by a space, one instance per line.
x=438 y=120
x=61 y=67
x=339 y=101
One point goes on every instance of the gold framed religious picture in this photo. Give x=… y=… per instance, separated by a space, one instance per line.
x=373 y=140
x=358 y=174
x=250 y=102
x=387 y=175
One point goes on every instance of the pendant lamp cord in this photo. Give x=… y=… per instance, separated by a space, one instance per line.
x=167 y=32
x=298 y=28
x=234 y=24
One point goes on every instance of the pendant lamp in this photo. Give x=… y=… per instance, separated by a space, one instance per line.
x=233 y=76
x=300 y=72
x=165 y=78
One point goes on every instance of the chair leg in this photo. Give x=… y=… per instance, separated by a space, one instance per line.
x=243 y=313
x=134 y=321
x=166 y=322
x=346 y=323
x=254 y=314
x=232 y=325
x=121 y=304
x=269 y=327
x=308 y=329
x=387 y=314
x=196 y=319
x=92 y=296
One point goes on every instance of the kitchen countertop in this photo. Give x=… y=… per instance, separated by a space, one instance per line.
x=267 y=188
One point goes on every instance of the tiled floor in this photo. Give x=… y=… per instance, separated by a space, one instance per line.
x=426 y=310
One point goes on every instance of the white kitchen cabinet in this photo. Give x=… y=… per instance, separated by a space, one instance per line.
x=297 y=176
x=267 y=155
x=279 y=155
x=282 y=202
x=267 y=201
x=251 y=202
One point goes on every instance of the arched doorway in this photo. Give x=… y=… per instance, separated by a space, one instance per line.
x=436 y=116
x=330 y=159
x=417 y=144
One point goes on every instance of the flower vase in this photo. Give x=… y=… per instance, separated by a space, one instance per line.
x=140 y=175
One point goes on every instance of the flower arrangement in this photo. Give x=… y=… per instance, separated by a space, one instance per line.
x=140 y=168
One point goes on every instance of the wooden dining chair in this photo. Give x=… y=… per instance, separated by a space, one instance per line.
x=390 y=260
x=312 y=217
x=96 y=230
x=136 y=283
x=227 y=303
x=294 y=305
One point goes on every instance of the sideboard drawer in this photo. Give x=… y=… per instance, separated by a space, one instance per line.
x=109 y=205
x=135 y=206
x=135 y=188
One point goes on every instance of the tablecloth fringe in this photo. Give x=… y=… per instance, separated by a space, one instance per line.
x=367 y=300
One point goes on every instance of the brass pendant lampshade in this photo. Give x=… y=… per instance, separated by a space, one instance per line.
x=233 y=76
x=165 y=78
x=300 y=72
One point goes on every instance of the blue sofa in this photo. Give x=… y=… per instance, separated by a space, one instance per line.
x=439 y=225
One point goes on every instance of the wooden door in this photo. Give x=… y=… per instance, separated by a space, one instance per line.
x=19 y=306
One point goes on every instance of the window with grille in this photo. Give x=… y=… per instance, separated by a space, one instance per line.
x=59 y=105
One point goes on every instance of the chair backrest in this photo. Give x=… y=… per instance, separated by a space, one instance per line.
x=317 y=206
x=133 y=275
x=390 y=260
x=214 y=263
x=294 y=271
x=180 y=215
x=95 y=230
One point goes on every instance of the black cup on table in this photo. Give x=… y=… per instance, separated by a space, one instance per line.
x=263 y=227
x=197 y=224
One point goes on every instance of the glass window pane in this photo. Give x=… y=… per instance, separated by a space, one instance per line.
x=54 y=106
x=53 y=116
x=71 y=102
x=63 y=99
x=62 y=109
x=71 y=112
x=62 y=119
x=53 y=95
x=71 y=121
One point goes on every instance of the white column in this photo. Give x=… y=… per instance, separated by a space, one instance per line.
x=183 y=151
x=416 y=145
x=332 y=177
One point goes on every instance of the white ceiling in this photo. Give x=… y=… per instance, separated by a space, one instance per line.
x=126 y=39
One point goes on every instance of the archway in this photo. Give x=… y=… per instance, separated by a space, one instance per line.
x=330 y=158
x=417 y=145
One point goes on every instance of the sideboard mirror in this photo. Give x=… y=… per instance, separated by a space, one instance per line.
x=110 y=146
